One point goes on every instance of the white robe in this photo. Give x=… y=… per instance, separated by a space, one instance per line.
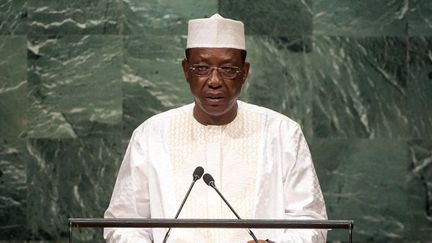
x=260 y=162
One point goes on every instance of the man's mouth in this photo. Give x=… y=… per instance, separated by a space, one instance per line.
x=214 y=98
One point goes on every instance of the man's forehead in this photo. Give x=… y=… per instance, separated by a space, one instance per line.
x=211 y=52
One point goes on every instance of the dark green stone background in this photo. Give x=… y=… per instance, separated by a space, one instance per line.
x=76 y=77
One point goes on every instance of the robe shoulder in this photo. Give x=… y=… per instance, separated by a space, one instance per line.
x=271 y=116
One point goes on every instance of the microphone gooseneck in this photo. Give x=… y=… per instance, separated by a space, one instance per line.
x=197 y=174
x=211 y=182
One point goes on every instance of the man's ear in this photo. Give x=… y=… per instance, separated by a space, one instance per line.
x=186 y=70
x=245 y=71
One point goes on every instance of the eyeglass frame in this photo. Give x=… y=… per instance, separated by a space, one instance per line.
x=211 y=68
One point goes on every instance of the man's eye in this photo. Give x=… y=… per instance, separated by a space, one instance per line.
x=228 y=69
x=201 y=68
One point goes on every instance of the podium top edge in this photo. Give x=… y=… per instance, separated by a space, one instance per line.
x=208 y=223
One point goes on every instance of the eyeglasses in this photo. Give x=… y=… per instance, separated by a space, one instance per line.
x=226 y=72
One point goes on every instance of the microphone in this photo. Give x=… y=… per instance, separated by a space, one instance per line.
x=210 y=182
x=197 y=174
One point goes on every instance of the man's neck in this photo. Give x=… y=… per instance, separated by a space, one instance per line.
x=209 y=120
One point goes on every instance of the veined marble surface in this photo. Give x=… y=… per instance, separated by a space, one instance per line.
x=74 y=17
x=361 y=18
x=366 y=181
x=75 y=81
x=157 y=17
x=13 y=86
x=160 y=84
x=69 y=178
x=360 y=87
x=13 y=17
x=13 y=189
x=77 y=77
x=278 y=79
x=271 y=17
x=420 y=86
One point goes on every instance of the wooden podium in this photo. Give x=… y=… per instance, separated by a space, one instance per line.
x=210 y=223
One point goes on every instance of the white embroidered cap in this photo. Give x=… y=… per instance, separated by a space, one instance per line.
x=216 y=32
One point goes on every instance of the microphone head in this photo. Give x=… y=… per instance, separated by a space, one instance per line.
x=198 y=172
x=208 y=179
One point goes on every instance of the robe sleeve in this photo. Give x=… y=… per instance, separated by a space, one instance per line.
x=303 y=198
x=130 y=197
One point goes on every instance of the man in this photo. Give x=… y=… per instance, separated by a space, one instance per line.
x=259 y=158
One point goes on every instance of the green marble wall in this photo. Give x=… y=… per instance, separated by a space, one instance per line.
x=76 y=77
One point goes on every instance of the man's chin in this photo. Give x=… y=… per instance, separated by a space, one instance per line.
x=215 y=110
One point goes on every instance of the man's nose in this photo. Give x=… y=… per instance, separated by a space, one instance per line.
x=215 y=79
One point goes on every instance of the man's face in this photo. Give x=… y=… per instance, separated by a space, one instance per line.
x=215 y=90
